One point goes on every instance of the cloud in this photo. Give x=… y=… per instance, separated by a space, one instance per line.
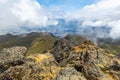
x=103 y=13
x=93 y=23
x=18 y=13
x=115 y=31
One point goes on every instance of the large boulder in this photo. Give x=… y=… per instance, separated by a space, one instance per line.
x=11 y=57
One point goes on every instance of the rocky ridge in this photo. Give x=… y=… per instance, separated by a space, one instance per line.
x=63 y=62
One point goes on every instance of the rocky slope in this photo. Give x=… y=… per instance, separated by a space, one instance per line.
x=93 y=62
x=34 y=67
x=63 y=61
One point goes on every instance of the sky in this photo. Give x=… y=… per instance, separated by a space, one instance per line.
x=14 y=14
x=66 y=5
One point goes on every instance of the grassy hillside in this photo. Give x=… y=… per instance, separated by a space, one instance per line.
x=17 y=40
x=35 y=42
x=39 y=45
x=110 y=45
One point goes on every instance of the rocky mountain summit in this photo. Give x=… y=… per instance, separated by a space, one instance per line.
x=64 y=60
x=93 y=62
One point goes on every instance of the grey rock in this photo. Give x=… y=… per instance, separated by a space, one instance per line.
x=61 y=49
x=69 y=73
x=11 y=57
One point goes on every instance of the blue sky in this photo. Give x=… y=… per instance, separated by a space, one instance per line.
x=68 y=5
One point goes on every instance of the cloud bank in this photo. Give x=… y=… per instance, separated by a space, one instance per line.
x=103 y=13
x=16 y=14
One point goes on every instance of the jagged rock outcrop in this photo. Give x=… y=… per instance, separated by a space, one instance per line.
x=94 y=62
x=34 y=67
x=60 y=47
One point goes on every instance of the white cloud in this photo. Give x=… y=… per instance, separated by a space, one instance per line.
x=93 y=23
x=102 y=13
x=17 y=13
x=115 y=31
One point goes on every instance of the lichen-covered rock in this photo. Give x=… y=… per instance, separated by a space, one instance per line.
x=45 y=67
x=11 y=57
x=16 y=73
x=35 y=67
x=69 y=73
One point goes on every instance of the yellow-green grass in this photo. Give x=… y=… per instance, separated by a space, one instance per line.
x=40 y=45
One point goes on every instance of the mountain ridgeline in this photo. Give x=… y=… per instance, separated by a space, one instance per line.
x=34 y=40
